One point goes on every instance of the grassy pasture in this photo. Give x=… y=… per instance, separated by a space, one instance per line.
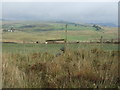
x=53 y=48
x=47 y=30
x=72 y=35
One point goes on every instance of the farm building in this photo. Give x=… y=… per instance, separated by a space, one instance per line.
x=55 y=41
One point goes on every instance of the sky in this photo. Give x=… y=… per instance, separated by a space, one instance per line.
x=80 y=12
x=60 y=0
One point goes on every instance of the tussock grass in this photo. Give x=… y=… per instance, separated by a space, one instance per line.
x=82 y=68
x=12 y=75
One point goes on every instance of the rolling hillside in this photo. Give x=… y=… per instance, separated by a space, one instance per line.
x=40 y=31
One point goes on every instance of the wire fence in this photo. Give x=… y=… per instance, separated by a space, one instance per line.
x=61 y=41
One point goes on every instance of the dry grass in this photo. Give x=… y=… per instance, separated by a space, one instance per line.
x=73 y=69
x=12 y=75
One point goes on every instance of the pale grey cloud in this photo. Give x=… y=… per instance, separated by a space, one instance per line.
x=60 y=0
x=101 y=12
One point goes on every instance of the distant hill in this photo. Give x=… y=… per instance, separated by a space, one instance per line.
x=109 y=24
x=106 y=24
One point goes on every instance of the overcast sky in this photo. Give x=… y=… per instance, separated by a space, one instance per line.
x=85 y=12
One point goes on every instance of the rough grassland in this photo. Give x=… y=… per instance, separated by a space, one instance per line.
x=82 y=68
x=45 y=66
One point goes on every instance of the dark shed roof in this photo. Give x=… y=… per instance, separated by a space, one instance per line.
x=56 y=40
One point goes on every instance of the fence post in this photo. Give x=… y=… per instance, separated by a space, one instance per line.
x=111 y=40
x=66 y=36
x=101 y=39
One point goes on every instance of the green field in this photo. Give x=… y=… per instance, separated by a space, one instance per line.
x=53 y=48
x=41 y=31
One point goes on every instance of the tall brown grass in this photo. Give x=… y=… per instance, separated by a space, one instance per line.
x=93 y=68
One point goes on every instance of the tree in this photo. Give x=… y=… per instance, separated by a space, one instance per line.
x=97 y=27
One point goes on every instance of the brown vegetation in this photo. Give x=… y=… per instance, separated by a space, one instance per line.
x=73 y=69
